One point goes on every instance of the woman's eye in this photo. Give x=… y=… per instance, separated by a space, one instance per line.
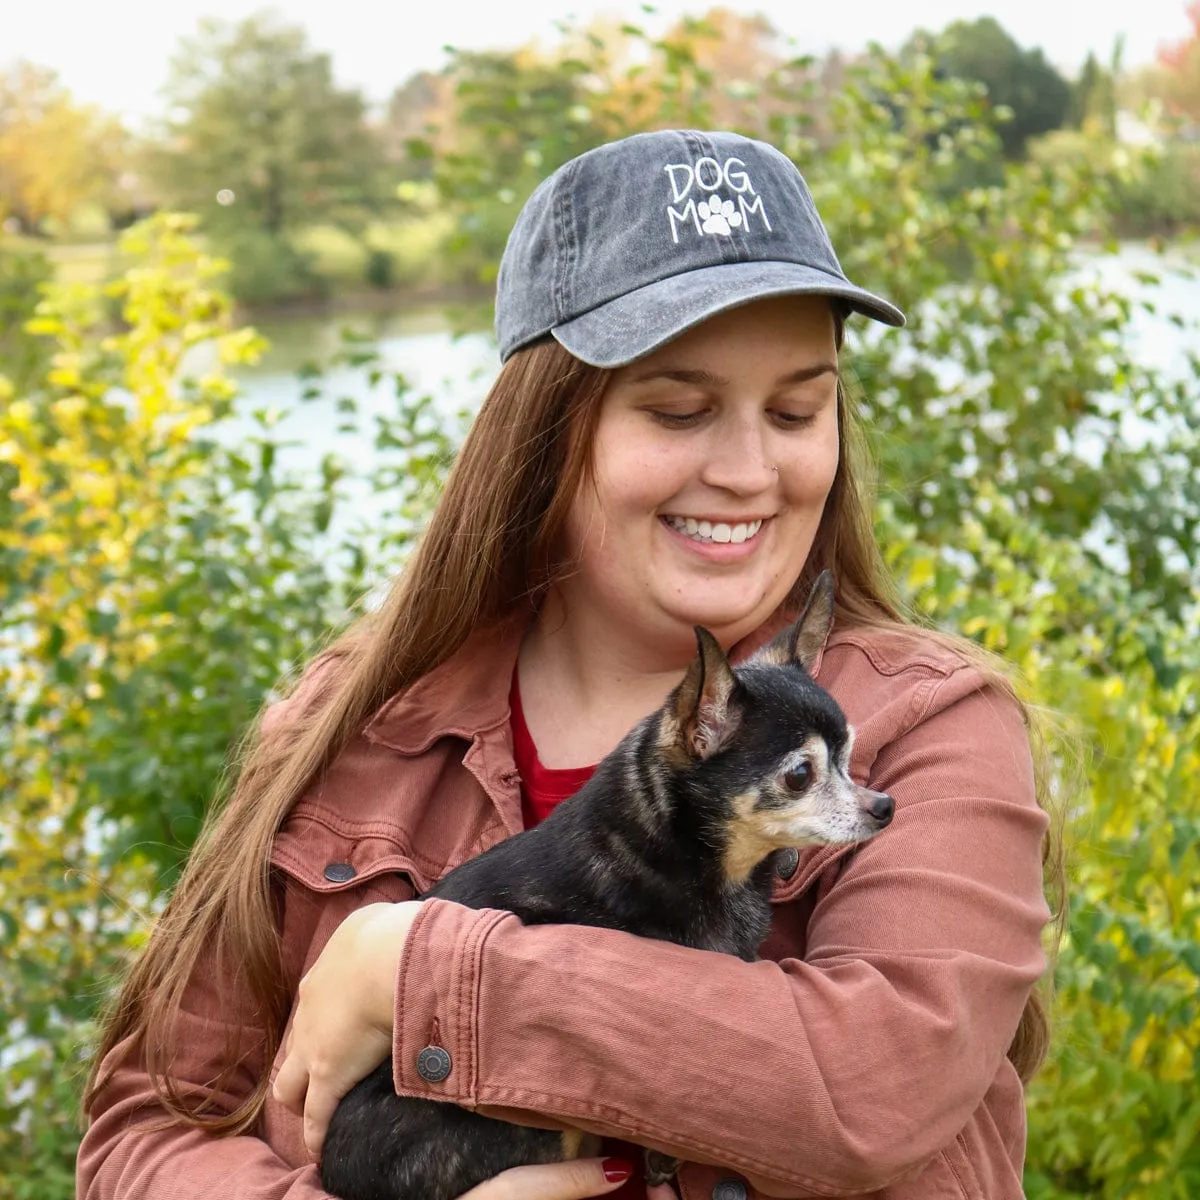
x=677 y=420
x=798 y=779
x=795 y=420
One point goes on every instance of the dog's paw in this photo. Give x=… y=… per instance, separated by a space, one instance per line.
x=660 y=1167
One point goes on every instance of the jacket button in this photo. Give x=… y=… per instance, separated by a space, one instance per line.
x=786 y=862
x=433 y=1064
x=339 y=872
x=729 y=1189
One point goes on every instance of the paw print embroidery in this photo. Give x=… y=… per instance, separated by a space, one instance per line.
x=718 y=215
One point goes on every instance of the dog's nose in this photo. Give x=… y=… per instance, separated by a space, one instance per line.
x=881 y=807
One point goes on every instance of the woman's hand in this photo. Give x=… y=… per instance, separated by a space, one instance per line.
x=342 y=1027
x=342 y=1030
x=574 y=1180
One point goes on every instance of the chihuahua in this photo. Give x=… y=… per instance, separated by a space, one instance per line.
x=672 y=838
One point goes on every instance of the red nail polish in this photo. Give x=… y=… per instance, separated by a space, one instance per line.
x=617 y=1170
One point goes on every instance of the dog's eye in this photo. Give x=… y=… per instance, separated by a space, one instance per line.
x=797 y=780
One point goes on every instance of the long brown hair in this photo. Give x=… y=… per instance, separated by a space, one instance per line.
x=492 y=548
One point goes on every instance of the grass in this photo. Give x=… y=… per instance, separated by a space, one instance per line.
x=89 y=262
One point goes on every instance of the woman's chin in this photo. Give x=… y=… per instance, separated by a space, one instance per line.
x=728 y=622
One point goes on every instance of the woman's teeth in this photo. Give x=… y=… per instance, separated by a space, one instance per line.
x=706 y=531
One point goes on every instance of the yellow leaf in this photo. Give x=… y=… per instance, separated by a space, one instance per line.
x=921 y=572
x=21 y=413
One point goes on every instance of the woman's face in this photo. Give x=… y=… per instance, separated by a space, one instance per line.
x=713 y=458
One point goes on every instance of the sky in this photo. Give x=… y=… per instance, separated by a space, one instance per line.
x=115 y=53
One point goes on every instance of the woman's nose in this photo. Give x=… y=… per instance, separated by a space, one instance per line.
x=739 y=458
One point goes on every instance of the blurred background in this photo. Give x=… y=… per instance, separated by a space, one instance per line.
x=246 y=265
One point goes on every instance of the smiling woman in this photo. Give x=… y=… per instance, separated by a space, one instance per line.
x=668 y=445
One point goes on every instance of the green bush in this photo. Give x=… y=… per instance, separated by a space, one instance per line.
x=1151 y=190
x=1164 y=197
x=415 y=246
x=158 y=576
x=22 y=274
x=267 y=269
x=380 y=271
x=334 y=254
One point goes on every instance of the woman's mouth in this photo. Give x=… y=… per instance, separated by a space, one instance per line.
x=709 y=532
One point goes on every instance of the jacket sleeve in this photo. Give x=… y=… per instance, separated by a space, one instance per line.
x=840 y=1073
x=126 y=1154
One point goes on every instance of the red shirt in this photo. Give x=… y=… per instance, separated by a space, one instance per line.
x=542 y=790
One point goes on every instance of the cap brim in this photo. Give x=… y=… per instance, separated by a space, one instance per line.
x=634 y=325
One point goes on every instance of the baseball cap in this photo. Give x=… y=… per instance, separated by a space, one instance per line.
x=634 y=242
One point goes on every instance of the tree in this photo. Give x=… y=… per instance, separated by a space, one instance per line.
x=716 y=65
x=419 y=108
x=55 y=155
x=1094 y=96
x=512 y=117
x=1021 y=80
x=1179 y=73
x=259 y=136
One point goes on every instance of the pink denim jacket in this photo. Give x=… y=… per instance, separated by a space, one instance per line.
x=864 y=1055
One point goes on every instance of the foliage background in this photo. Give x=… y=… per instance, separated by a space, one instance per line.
x=1037 y=490
x=312 y=192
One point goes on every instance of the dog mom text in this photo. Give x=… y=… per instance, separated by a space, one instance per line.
x=699 y=181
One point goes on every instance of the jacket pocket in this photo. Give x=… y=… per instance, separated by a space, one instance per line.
x=388 y=878
x=325 y=862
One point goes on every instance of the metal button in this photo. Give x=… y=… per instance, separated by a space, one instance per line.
x=339 y=872
x=786 y=862
x=433 y=1064
x=729 y=1189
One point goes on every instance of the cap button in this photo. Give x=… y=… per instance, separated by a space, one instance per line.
x=339 y=872
x=433 y=1064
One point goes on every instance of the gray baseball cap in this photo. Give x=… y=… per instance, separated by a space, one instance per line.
x=629 y=245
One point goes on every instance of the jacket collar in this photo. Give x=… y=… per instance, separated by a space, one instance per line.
x=467 y=695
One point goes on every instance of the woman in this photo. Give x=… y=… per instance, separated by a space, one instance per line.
x=668 y=444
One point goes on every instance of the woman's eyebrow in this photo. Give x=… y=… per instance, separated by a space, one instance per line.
x=701 y=378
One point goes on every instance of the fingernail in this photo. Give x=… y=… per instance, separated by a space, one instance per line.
x=617 y=1170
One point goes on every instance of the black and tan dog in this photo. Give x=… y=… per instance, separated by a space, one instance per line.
x=672 y=838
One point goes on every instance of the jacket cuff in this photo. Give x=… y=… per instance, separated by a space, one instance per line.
x=435 y=1023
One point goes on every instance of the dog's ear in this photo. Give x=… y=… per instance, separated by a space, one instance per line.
x=802 y=641
x=704 y=714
